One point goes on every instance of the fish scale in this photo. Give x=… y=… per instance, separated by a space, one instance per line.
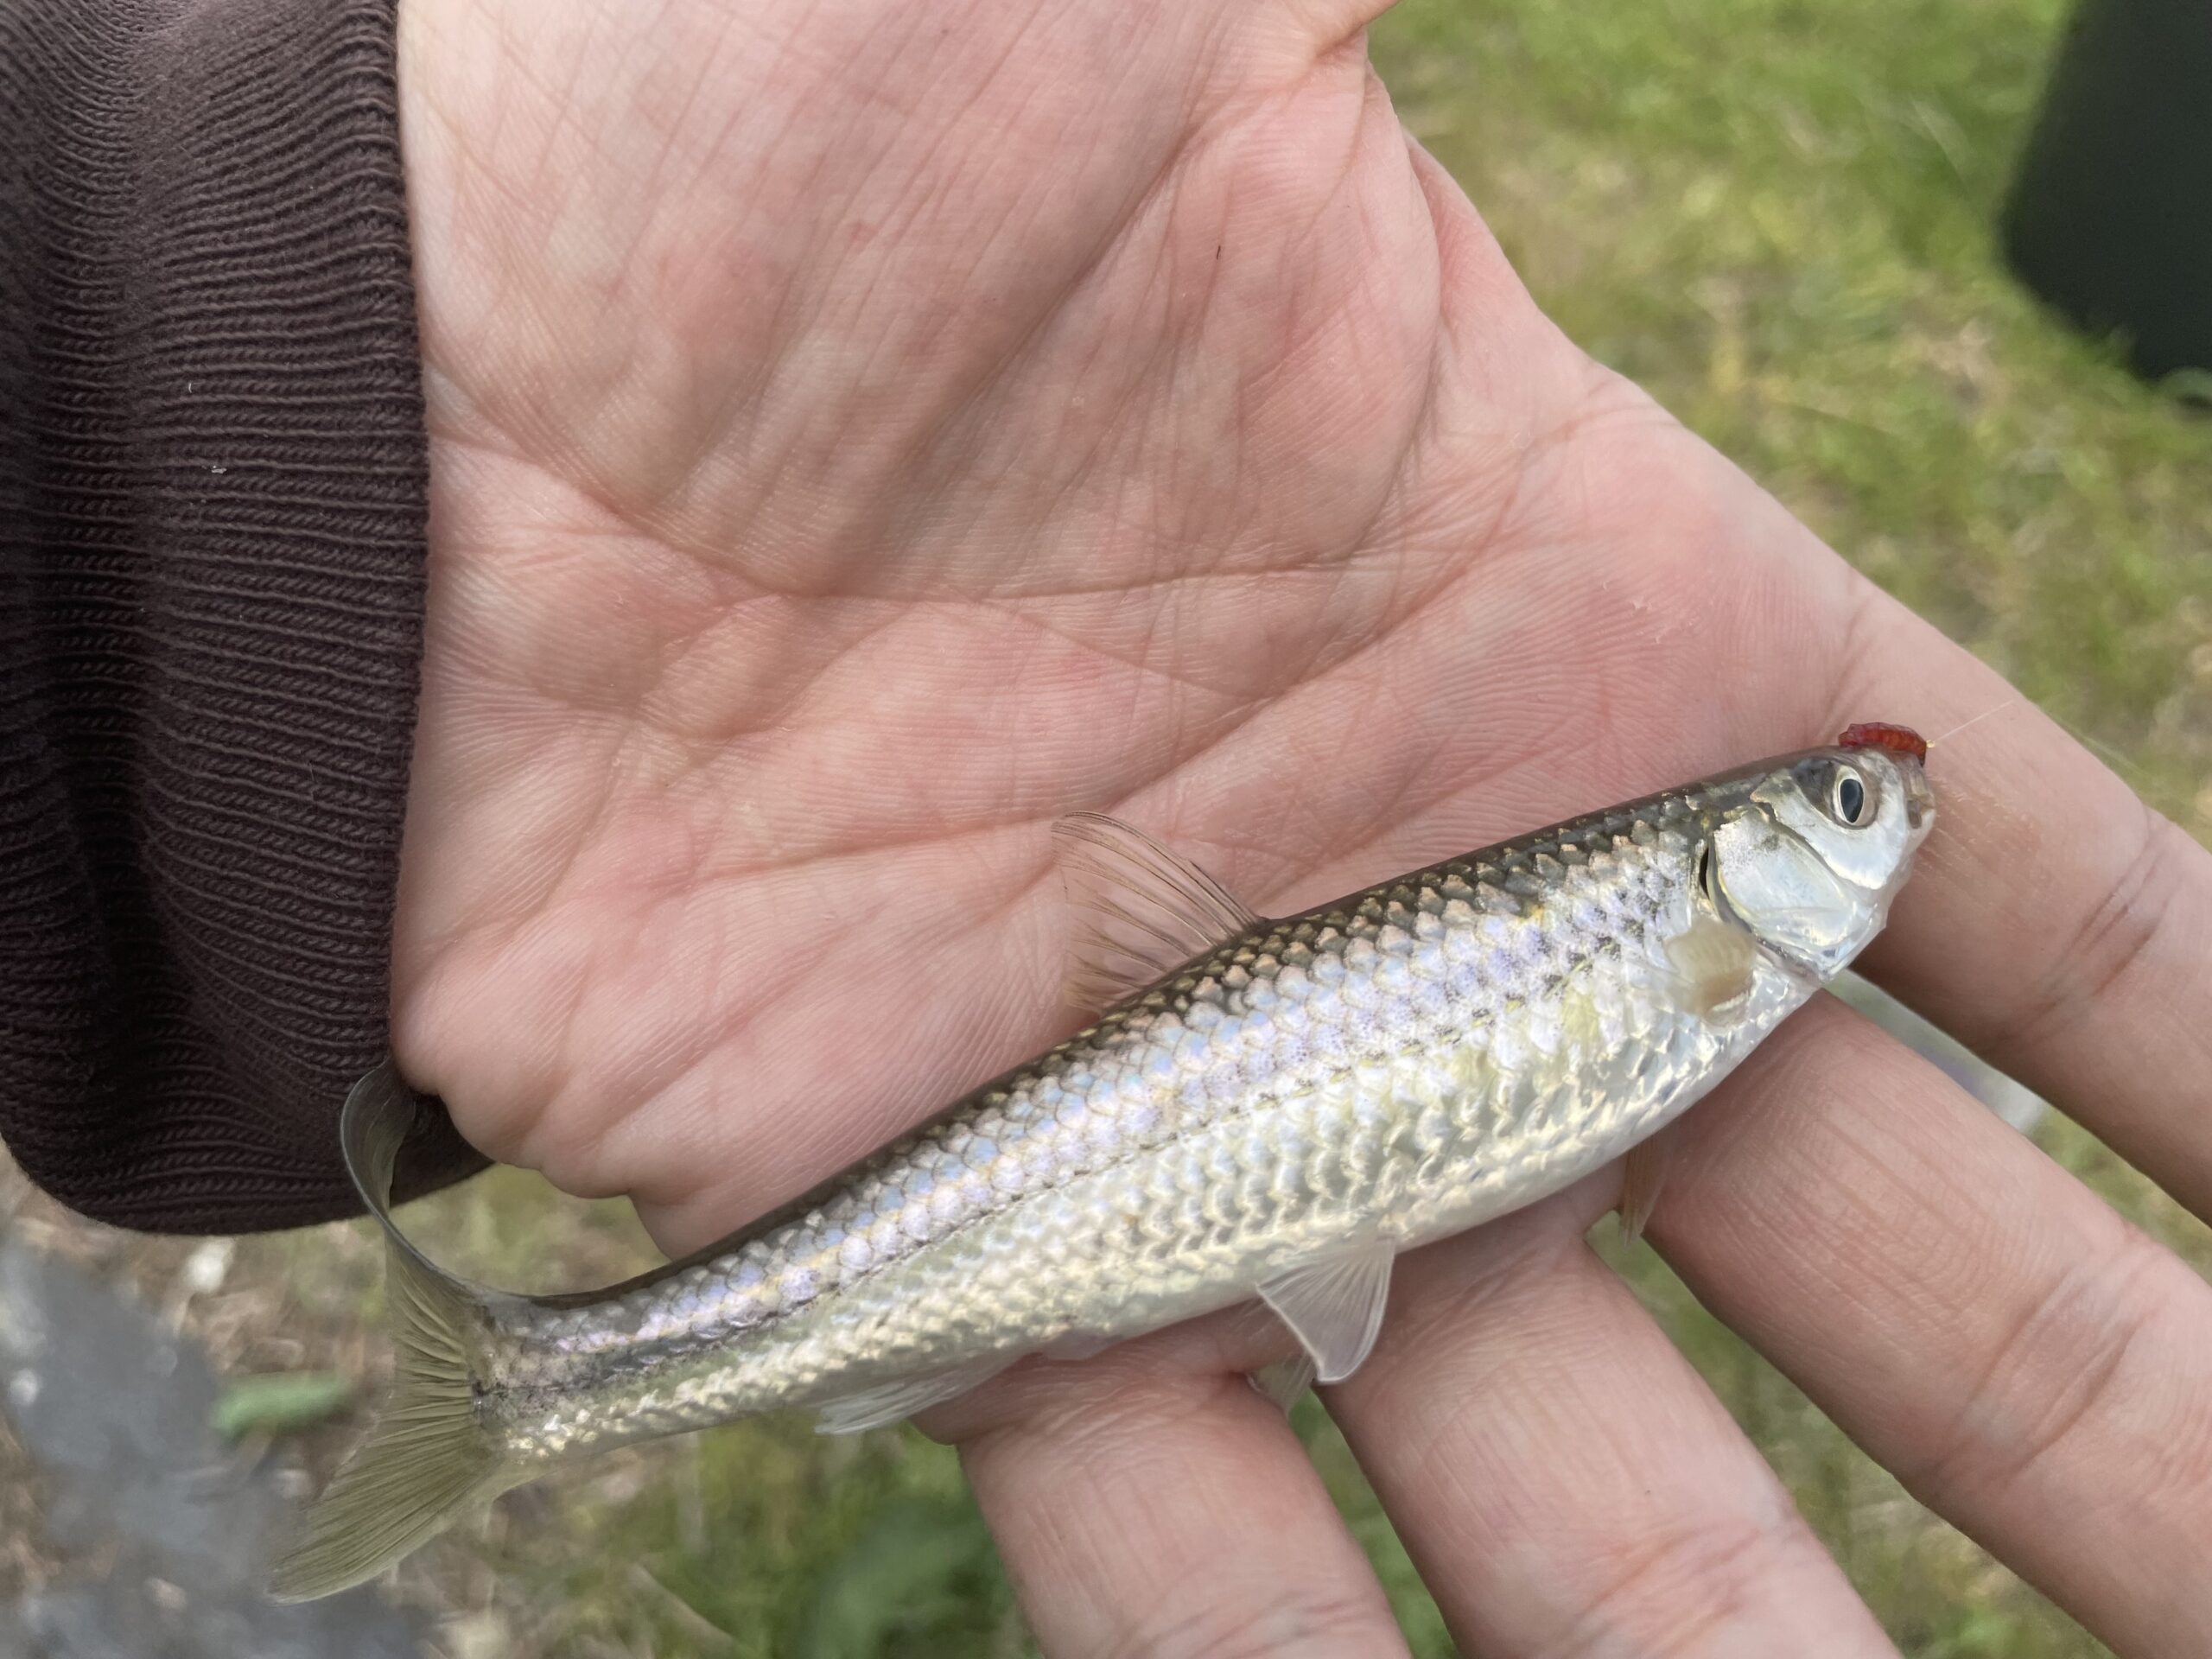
x=1278 y=1107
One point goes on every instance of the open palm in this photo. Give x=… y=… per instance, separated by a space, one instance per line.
x=863 y=431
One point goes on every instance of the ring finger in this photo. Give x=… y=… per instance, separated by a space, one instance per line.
x=1564 y=1479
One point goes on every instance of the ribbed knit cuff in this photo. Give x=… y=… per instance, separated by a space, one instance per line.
x=213 y=489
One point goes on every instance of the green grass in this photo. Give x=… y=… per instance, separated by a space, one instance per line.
x=1777 y=216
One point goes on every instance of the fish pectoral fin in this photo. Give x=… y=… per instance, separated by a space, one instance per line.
x=1141 y=911
x=1642 y=1172
x=1333 y=1305
x=1715 y=966
x=893 y=1402
x=1284 y=1379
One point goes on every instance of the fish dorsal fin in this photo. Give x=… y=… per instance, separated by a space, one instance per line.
x=1140 y=912
x=1333 y=1305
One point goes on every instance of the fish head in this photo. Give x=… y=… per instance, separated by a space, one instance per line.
x=1814 y=847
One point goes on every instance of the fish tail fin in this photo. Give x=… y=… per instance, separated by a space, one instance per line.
x=435 y=1451
x=428 y=1458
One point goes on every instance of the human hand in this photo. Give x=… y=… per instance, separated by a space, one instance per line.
x=863 y=432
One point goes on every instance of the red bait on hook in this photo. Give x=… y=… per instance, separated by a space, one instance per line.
x=1873 y=735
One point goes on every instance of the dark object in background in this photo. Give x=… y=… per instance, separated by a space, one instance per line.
x=163 y=1532
x=2110 y=218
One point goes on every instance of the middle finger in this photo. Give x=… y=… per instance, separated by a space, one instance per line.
x=1164 y=1512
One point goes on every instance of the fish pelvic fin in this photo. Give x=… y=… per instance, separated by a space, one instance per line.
x=432 y=1452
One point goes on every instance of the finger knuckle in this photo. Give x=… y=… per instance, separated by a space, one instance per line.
x=2059 y=1373
x=1276 y=1622
x=1671 y=1594
x=2101 y=952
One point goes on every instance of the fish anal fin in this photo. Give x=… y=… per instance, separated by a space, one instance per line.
x=1140 y=911
x=1333 y=1305
x=1641 y=1172
x=1284 y=1379
x=895 y=1401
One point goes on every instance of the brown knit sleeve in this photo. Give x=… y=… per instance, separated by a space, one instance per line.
x=213 y=487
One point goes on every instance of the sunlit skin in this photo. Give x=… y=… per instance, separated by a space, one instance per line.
x=862 y=432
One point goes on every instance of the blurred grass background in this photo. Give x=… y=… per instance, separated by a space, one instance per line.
x=1778 y=217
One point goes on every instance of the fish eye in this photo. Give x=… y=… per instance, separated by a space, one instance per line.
x=1847 y=796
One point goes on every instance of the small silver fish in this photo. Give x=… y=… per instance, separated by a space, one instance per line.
x=1270 y=1108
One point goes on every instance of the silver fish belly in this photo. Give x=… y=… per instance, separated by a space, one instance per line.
x=1277 y=1116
